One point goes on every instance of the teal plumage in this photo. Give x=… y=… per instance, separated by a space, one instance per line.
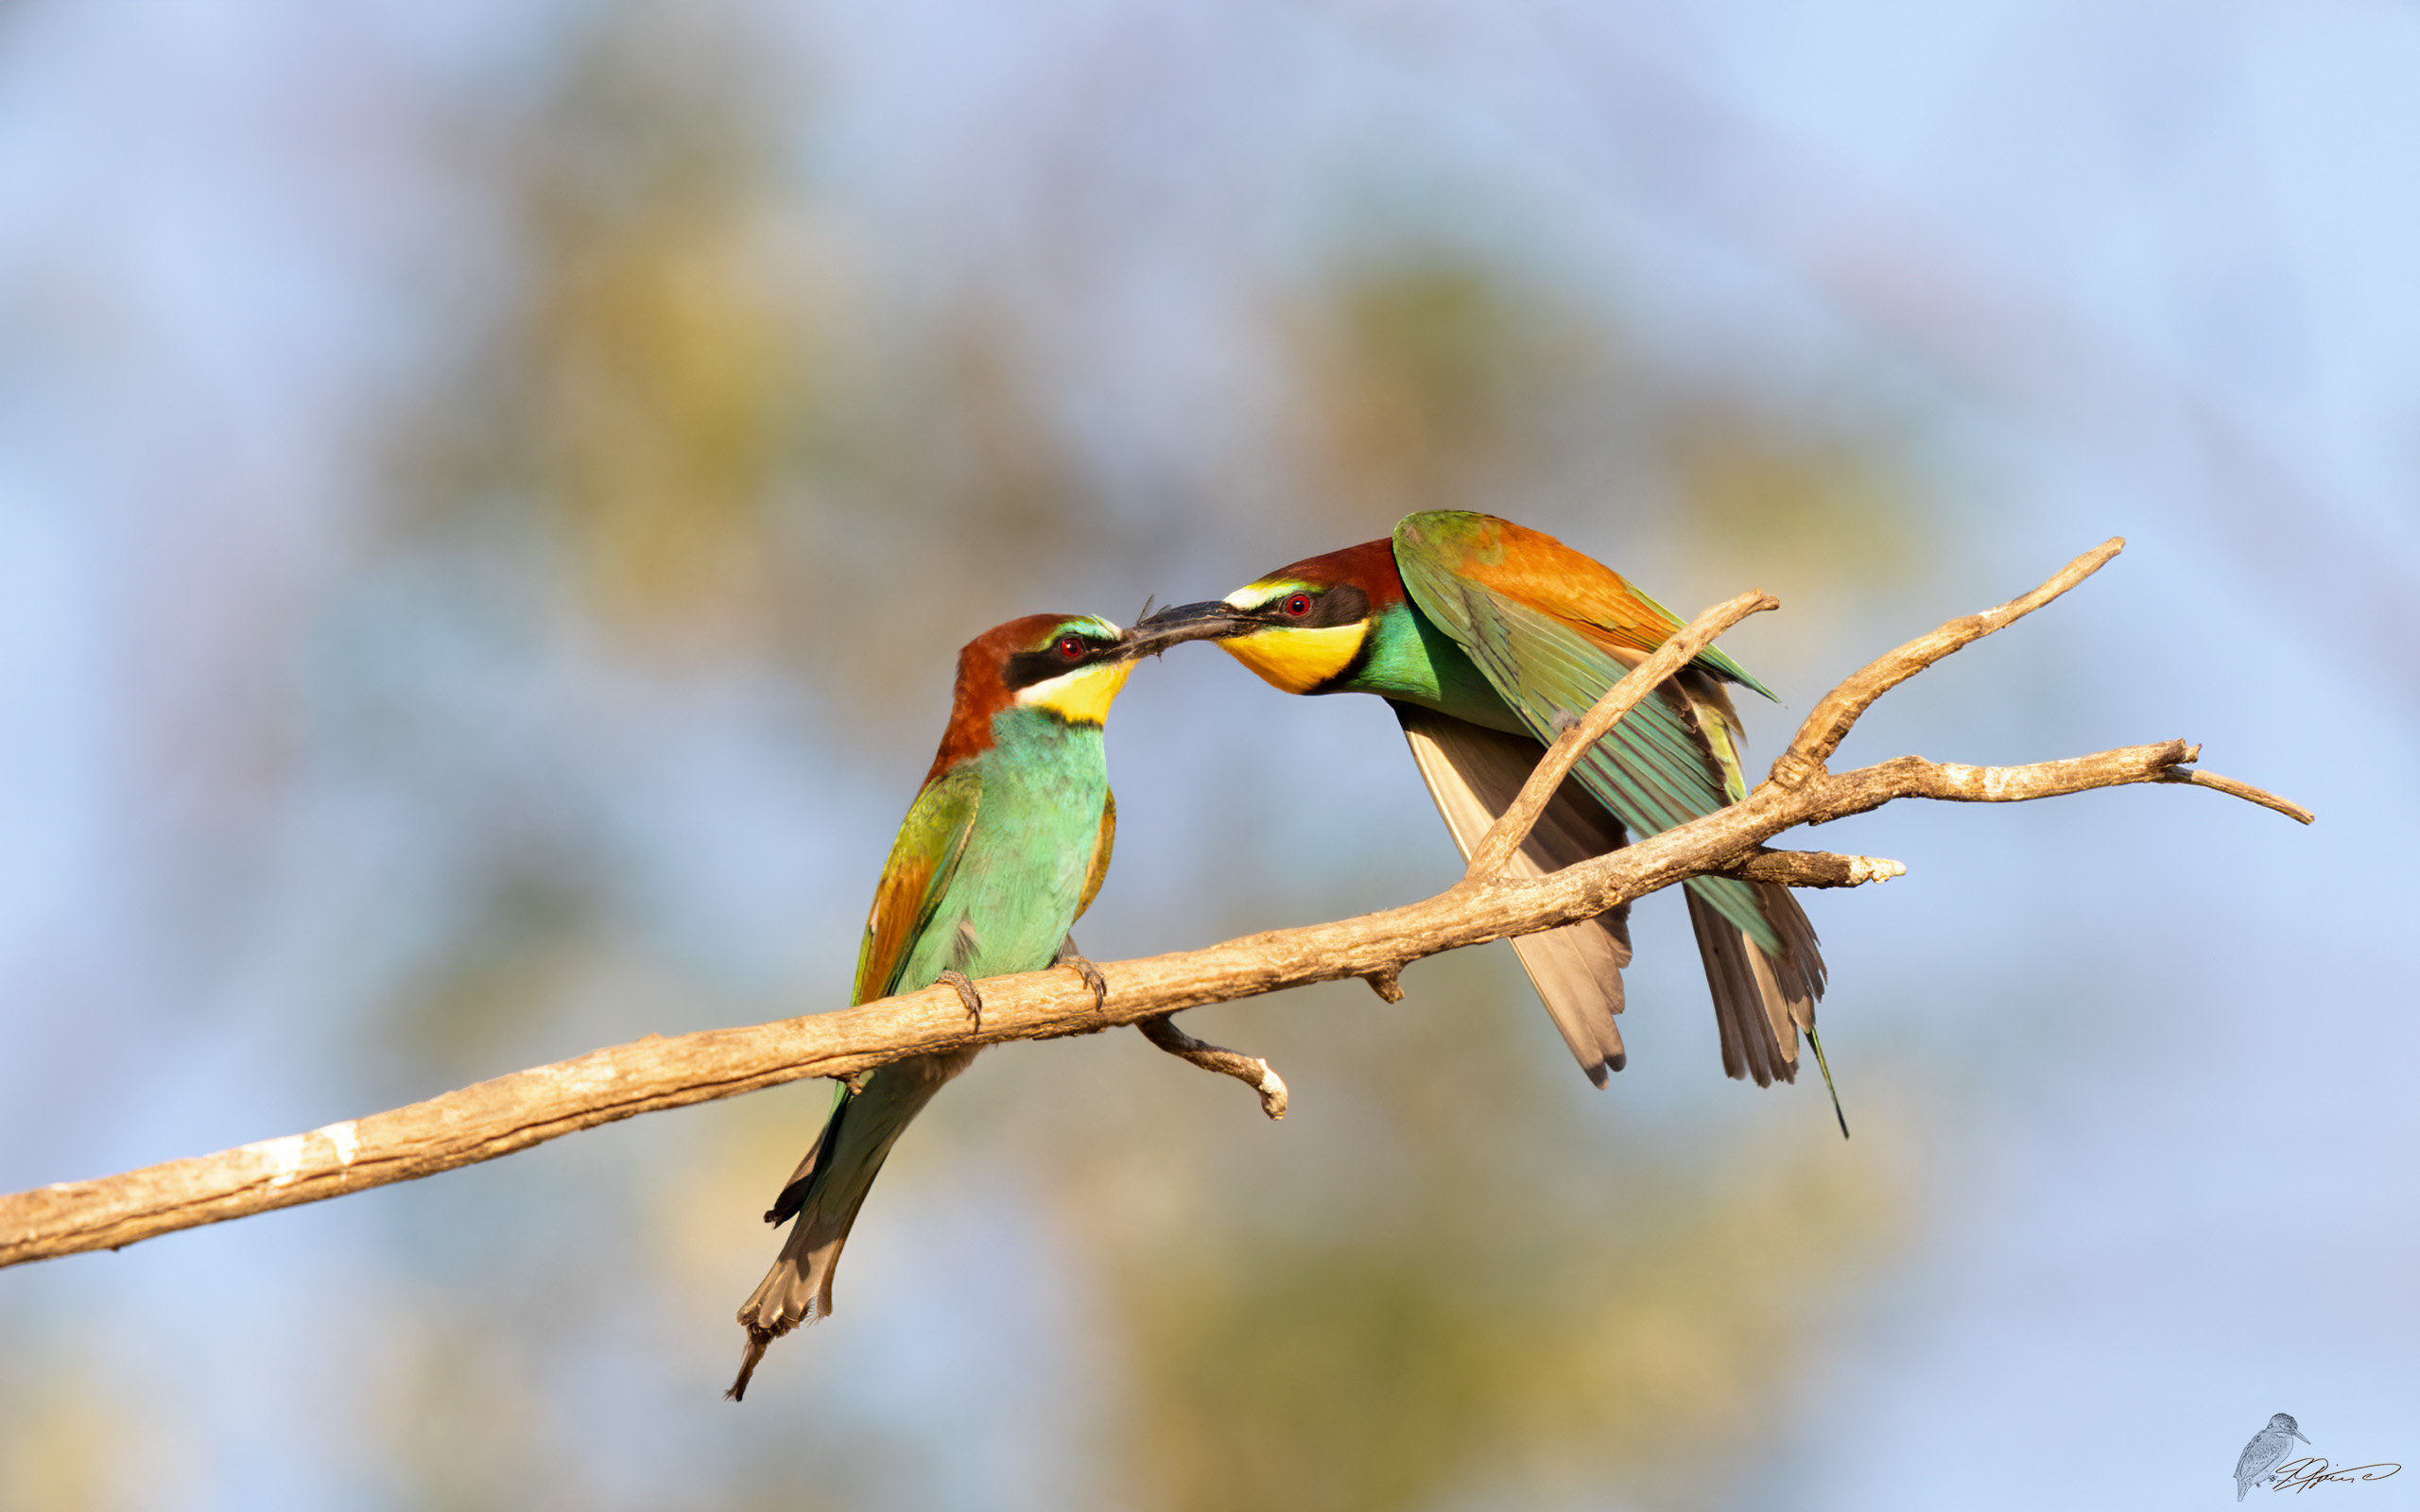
x=1004 y=847
x=1488 y=639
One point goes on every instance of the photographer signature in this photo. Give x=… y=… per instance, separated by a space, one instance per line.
x=2305 y=1473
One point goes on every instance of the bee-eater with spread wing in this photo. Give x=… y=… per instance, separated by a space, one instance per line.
x=1489 y=639
x=1003 y=849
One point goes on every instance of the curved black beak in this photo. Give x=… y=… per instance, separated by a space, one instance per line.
x=1210 y=620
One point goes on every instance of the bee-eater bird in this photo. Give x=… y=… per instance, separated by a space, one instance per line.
x=1488 y=640
x=1003 y=849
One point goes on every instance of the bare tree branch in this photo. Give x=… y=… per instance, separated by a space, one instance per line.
x=1811 y=869
x=528 y=1108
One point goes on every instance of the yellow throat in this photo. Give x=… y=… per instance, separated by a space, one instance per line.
x=1296 y=660
x=1081 y=697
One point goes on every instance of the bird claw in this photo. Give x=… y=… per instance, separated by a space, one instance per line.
x=1073 y=960
x=966 y=994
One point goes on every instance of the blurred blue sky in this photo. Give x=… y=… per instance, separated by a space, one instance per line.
x=286 y=771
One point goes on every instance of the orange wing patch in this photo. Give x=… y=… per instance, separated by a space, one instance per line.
x=1545 y=574
x=1101 y=846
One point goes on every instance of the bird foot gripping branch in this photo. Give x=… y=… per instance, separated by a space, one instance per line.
x=1072 y=959
x=966 y=994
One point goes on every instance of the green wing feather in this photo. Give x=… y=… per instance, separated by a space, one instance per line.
x=922 y=860
x=1553 y=630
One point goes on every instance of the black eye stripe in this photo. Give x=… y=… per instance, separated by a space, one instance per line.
x=1026 y=668
x=1343 y=604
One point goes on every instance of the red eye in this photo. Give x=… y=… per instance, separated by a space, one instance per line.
x=1298 y=606
x=1069 y=648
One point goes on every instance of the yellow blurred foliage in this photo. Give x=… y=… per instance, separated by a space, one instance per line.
x=1493 y=1344
x=1453 y=1267
x=638 y=389
x=1423 y=373
x=662 y=365
x=62 y=1445
x=1777 y=502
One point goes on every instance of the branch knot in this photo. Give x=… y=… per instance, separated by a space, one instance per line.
x=1792 y=771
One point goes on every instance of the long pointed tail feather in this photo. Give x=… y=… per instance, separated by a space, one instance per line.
x=1817 y=1040
x=824 y=1194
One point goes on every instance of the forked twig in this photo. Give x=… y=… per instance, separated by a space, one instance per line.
x=1827 y=724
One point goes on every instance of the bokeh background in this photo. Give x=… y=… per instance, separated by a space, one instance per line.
x=490 y=496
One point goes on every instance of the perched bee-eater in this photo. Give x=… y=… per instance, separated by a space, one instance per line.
x=1488 y=640
x=1003 y=849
